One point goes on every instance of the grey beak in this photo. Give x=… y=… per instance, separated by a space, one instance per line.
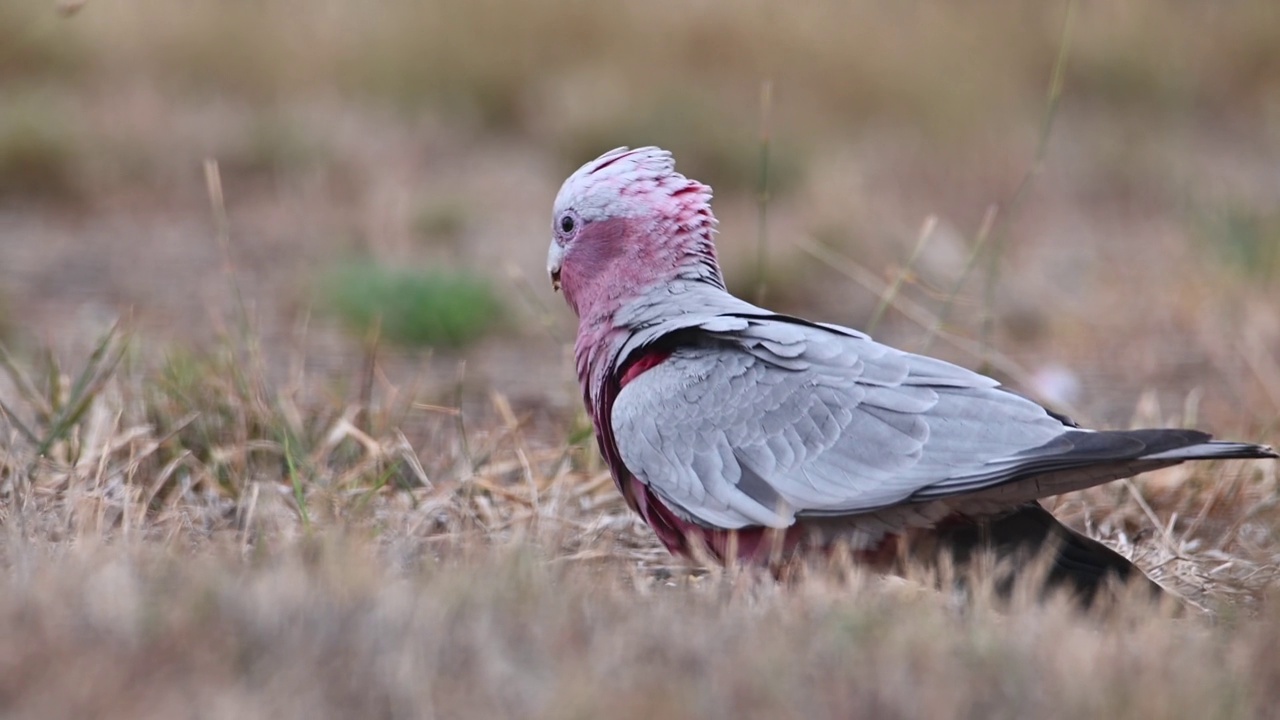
x=555 y=255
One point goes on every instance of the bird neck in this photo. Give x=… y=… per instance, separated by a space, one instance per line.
x=625 y=261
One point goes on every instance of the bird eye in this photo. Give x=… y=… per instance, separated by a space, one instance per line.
x=566 y=224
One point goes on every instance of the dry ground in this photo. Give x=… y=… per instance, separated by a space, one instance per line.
x=235 y=506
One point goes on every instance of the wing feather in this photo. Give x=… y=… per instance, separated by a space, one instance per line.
x=759 y=420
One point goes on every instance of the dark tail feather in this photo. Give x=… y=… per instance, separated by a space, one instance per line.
x=1077 y=460
x=1079 y=565
x=1214 y=449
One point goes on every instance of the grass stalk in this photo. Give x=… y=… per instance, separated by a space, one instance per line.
x=971 y=261
x=999 y=230
x=887 y=298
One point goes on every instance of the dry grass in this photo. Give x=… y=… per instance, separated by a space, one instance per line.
x=262 y=516
x=196 y=540
x=326 y=630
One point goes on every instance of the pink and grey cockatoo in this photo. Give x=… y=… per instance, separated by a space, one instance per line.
x=742 y=431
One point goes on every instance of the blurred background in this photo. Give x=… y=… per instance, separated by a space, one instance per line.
x=390 y=170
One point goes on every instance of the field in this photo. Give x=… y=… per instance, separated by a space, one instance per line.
x=290 y=421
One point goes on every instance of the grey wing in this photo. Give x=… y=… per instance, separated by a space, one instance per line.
x=771 y=419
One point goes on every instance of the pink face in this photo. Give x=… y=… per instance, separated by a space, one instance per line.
x=585 y=251
x=620 y=222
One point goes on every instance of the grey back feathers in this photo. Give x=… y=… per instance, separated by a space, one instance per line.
x=758 y=419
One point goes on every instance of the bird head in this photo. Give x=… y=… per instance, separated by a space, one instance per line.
x=625 y=221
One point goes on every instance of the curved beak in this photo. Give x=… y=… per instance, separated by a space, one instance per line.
x=555 y=255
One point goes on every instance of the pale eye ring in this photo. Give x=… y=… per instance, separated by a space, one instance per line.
x=566 y=224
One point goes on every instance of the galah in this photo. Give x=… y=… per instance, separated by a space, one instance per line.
x=758 y=437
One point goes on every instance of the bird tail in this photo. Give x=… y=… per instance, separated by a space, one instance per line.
x=1215 y=449
x=1080 y=459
